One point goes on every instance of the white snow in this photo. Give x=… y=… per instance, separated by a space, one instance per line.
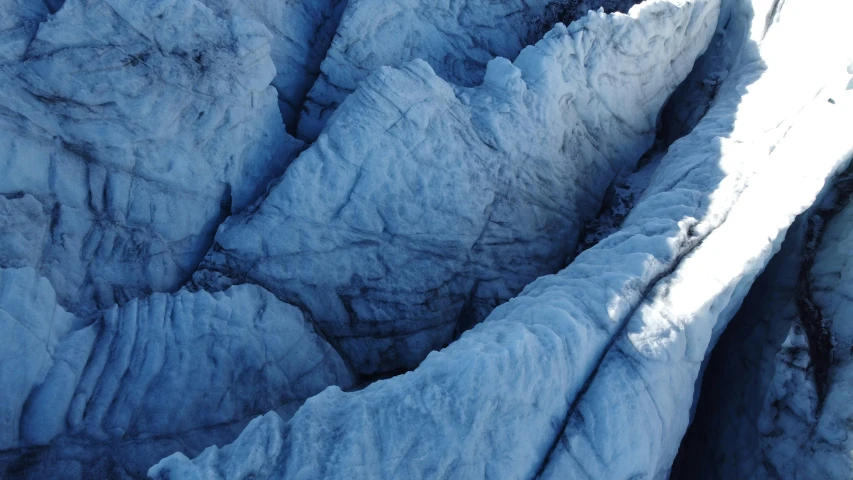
x=650 y=371
x=122 y=140
x=761 y=417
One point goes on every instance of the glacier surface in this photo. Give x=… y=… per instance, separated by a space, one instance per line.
x=301 y=32
x=176 y=268
x=590 y=373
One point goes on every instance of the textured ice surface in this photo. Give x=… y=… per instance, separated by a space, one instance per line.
x=456 y=38
x=766 y=409
x=804 y=436
x=301 y=33
x=723 y=439
x=590 y=373
x=126 y=140
x=19 y=21
x=163 y=367
x=442 y=186
x=425 y=205
x=501 y=390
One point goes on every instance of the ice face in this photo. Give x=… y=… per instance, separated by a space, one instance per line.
x=126 y=141
x=775 y=394
x=648 y=374
x=800 y=414
x=18 y=25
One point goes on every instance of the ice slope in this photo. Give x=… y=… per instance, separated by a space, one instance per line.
x=590 y=373
x=301 y=34
x=500 y=392
x=426 y=205
x=762 y=413
x=125 y=141
x=160 y=367
x=456 y=38
x=804 y=436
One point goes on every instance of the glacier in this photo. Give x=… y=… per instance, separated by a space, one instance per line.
x=766 y=414
x=18 y=26
x=501 y=246
x=302 y=32
x=805 y=412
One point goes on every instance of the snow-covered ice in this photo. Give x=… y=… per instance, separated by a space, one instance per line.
x=169 y=269
x=772 y=405
x=655 y=362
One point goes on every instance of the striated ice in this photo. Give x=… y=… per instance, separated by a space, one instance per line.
x=590 y=373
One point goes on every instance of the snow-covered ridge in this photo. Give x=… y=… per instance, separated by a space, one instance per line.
x=659 y=356
x=125 y=141
x=773 y=423
x=425 y=205
x=774 y=408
